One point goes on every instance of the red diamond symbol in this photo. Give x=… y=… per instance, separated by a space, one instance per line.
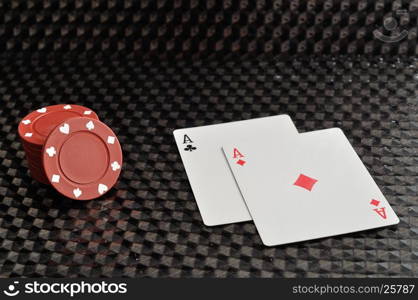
x=374 y=202
x=241 y=162
x=305 y=182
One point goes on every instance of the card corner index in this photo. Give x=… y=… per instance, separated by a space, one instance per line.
x=182 y=135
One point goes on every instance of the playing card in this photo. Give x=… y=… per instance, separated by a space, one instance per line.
x=312 y=186
x=213 y=185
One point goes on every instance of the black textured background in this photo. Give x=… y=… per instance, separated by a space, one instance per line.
x=149 y=68
x=169 y=29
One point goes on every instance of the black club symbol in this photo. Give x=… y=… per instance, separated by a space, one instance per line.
x=189 y=148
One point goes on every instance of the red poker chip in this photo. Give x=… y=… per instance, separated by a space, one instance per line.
x=35 y=127
x=82 y=158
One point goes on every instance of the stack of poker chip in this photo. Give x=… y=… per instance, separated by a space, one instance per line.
x=69 y=148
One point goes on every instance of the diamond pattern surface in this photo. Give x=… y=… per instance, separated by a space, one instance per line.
x=127 y=61
x=200 y=29
x=149 y=225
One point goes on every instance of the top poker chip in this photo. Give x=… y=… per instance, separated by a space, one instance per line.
x=37 y=125
x=82 y=158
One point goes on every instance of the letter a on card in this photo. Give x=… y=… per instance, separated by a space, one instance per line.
x=381 y=212
x=237 y=154
x=186 y=139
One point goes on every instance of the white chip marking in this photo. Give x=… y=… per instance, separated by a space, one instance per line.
x=87 y=112
x=55 y=178
x=28 y=134
x=115 y=166
x=67 y=106
x=90 y=125
x=51 y=151
x=77 y=192
x=102 y=188
x=26 y=122
x=110 y=139
x=41 y=110
x=65 y=128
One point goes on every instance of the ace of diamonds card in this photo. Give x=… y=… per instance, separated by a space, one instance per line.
x=312 y=186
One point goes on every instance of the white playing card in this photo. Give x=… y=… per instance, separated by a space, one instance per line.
x=312 y=186
x=213 y=185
